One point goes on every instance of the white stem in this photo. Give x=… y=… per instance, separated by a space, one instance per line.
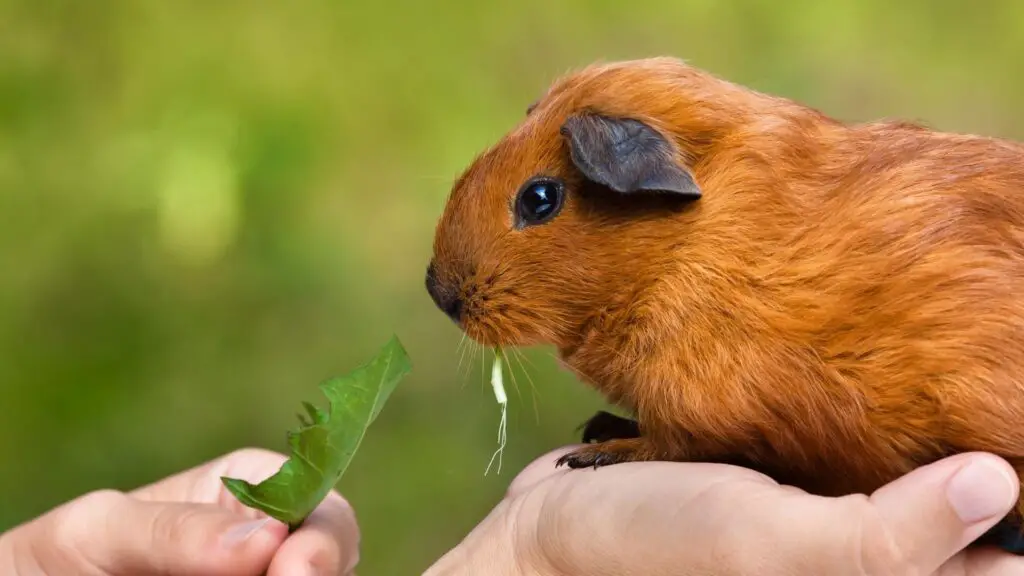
x=499 y=394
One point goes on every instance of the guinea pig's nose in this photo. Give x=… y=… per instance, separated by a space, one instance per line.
x=446 y=298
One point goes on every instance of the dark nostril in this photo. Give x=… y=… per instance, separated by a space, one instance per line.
x=454 y=309
x=446 y=298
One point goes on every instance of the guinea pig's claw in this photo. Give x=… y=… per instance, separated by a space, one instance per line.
x=587 y=458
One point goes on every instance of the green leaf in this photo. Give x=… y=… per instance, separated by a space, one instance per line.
x=323 y=446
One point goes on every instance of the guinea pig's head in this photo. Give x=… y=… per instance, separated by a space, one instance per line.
x=568 y=211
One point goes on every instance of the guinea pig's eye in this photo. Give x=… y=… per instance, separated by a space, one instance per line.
x=539 y=200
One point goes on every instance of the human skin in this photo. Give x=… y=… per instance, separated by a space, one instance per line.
x=682 y=519
x=184 y=524
x=655 y=518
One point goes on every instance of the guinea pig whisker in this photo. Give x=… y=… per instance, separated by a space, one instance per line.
x=518 y=355
x=483 y=371
x=515 y=383
x=462 y=357
x=523 y=357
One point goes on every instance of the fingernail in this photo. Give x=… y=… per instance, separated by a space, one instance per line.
x=980 y=491
x=243 y=532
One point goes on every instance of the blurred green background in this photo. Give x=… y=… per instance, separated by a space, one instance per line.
x=206 y=208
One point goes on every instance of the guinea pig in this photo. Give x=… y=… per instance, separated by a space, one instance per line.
x=832 y=304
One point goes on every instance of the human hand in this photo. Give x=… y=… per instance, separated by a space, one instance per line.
x=665 y=519
x=185 y=524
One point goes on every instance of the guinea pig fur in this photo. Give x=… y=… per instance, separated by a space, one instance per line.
x=832 y=304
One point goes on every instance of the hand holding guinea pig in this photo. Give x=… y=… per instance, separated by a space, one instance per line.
x=832 y=305
x=672 y=519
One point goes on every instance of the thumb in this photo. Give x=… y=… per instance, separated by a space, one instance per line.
x=935 y=511
x=121 y=535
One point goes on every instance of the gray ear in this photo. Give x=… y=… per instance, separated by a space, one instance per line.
x=626 y=155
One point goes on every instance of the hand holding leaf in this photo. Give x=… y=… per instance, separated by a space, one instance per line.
x=322 y=448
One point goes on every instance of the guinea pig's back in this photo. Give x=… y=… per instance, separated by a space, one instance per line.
x=913 y=273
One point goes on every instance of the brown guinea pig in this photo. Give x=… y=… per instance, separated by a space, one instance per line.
x=831 y=304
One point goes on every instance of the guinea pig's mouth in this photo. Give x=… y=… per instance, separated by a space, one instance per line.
x=490 y=322
x=483 y=312
x=490 y=332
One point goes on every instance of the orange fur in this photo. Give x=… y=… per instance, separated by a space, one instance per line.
x=842 y=305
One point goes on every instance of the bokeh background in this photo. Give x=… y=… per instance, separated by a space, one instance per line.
x=206 y=208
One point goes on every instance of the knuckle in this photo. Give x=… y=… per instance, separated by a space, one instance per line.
x=105 y=497
x=171 y=524
x=81 y=515
x=873 y=546
x=70 y=526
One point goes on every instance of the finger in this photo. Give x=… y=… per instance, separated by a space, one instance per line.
x=121 y=535
x=934 y=512
x=581 y=518
x=326 y=543
x=540 y=469
x=202 y=483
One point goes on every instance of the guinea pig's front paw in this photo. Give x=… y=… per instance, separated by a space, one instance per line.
x=606 y=454
x=605 y=426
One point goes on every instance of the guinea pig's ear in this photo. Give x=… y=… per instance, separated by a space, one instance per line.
x=626 y=155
